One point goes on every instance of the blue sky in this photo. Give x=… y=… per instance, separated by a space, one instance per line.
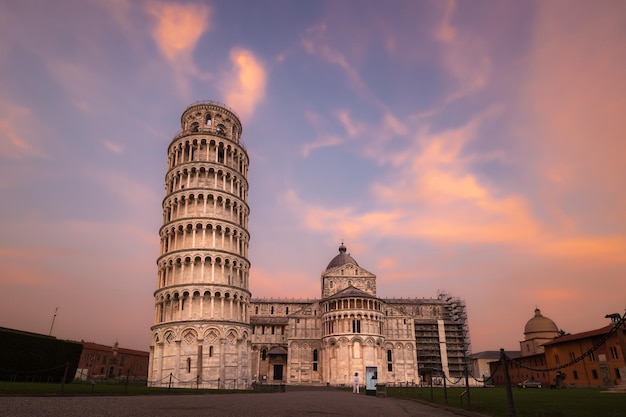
x=471 y=147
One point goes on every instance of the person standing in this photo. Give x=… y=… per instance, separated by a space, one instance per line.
x=355 y=385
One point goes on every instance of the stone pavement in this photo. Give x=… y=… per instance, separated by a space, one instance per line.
x=289 y=404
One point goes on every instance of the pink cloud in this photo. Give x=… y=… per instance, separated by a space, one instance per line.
x=279 y=283
x=178 y=27
x=114 y=147
x=572 y=126
x=177 y=31
x=446 y=32
x=14 y=131
x=244 y=86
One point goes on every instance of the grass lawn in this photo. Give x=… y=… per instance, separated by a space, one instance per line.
x=575 y=402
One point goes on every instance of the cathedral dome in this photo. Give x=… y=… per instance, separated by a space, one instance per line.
x=341 y=259
x=540 y=325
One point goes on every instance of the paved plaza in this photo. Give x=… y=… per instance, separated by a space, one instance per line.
x=290 y=404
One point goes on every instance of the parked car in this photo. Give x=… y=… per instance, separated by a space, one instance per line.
x=529 y=383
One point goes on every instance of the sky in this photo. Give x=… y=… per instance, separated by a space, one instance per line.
x=473 y=148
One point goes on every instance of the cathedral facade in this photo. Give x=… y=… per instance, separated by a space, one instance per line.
x=208 y=332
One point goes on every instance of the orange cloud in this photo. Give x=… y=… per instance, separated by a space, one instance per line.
x=177 y=31
x=179 y=27
x=608 y=248
x=244 y=86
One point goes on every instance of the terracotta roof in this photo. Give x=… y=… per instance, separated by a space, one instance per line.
x=584 y=335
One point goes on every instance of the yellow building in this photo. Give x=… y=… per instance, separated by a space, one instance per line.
x=602 y=364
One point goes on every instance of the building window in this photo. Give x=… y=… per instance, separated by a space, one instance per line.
x=315 y=358
x=356 y=326
x=575 y=373
x=613 y=350
x=272 y=310
x=210 y=351
x=594 y=373
x=330 y=285
x=188 y=365
x=286 y=310
x=592 y=356
x=389 y=360
x=617 y=374
x=556 y=358
x=273 y=330
x=572 y=357
x=256 y=309
x=263 y=354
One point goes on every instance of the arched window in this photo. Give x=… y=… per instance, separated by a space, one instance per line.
x=389 y=361
x=188 y=365
x=210 y=351
x=208 y=120
x=195 y=126
x=263 y=354
x=221 y=129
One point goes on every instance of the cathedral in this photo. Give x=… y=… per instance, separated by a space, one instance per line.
x=209 y=332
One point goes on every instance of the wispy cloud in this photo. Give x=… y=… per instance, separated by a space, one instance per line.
x=113 y=147
x=464 y=56
x=15 y=124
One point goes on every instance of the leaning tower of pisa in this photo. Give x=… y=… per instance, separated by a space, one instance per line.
x=201 y=331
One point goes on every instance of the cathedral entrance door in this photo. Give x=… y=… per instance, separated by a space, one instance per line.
x=278 y=372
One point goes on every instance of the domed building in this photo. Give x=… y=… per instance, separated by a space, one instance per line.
x=538 y=330
x=350 y=330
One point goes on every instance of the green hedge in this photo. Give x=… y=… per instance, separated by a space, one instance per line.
x=37 y=358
